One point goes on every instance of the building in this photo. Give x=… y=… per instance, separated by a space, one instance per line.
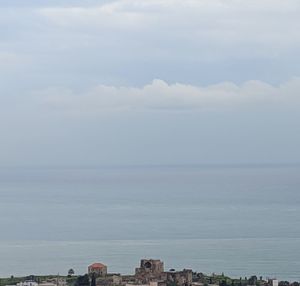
x=149 y=284
x=28 y=283
x=150 y=273
x=97 y=269
x=150 y=267
x=181 y=278
x=149 y=270
x=273 y=282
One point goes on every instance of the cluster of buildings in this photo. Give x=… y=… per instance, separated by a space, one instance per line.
x=150 y=273
x=49 y=282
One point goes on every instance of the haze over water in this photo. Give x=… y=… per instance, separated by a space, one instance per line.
x=237 y=220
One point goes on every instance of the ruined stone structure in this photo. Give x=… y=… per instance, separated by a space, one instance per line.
x=109 y=280
x=150 y=273
x=180 y=278
x=147 y=266
x=152 y=270
x=149 y=270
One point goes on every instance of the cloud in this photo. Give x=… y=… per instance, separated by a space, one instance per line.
x=160 y=95
x=105 y=16
x=158 y=123
x=261 y=28
x=131 y=42
x=54 y=54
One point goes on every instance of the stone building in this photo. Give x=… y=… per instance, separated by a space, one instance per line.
x=149 y=273
x=109 y=280
x=153 y=283
x=180 y=278
x=154 y=266
x=98 y=269
x=149 y=270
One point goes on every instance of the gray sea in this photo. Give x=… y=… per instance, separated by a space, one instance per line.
x=240 y=220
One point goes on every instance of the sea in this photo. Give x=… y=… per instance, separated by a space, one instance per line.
x=238 y=220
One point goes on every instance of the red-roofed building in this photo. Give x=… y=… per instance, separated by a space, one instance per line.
x=98 y=268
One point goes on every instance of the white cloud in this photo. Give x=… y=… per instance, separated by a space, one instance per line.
x=106 y=16
x=134 y=41
x=263 y=28
x=162 y=96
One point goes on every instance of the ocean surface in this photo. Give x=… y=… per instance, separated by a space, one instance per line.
x=240 y=220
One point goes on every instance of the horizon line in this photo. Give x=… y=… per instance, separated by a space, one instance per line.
x=150 y=166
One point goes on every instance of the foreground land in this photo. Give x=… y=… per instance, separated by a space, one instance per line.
x=150 y=273
x=199 y=279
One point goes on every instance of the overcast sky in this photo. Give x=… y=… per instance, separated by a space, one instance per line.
x=138 y=82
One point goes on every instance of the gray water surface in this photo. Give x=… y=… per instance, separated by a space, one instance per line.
x=237 y=220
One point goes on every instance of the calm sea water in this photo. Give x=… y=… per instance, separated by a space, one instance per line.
x=236 y=220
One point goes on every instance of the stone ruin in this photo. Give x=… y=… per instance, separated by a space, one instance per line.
x=151 y=270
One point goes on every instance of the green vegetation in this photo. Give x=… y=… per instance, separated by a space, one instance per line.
x=11 y=281
x=71 y=280
x=82 y=280
x=222 y=280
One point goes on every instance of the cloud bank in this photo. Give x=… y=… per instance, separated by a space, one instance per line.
x=160 y=95
x=76 y=81
x=239 y=26
x=130 y=42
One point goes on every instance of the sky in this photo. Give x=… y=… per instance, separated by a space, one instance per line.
x=149 y=82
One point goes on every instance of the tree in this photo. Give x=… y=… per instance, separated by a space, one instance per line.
x=93 y=282
x=83 y=280
x=71 y=272
x=31 y=278
x=252 y=280
x=284 y=283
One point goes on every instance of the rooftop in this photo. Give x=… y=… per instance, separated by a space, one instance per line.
x=97 y=265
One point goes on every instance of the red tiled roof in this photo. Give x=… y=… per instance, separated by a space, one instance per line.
x=97 y=265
